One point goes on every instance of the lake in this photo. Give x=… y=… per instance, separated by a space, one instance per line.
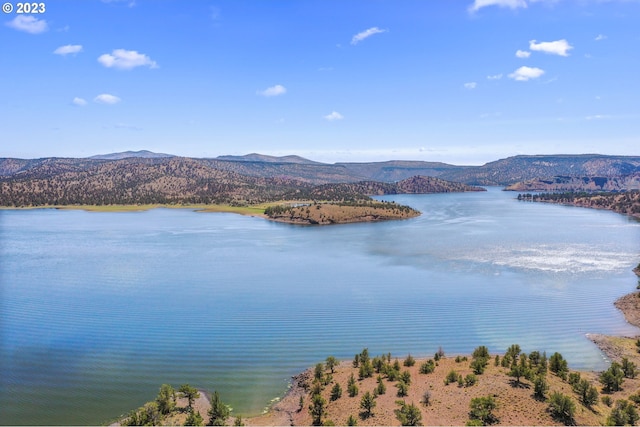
x=99 y=309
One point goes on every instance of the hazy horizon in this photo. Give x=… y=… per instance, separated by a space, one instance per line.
x=133 y=151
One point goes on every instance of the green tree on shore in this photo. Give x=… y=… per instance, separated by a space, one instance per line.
x=194 y=419
x=190 y=393
x=558 y=365
x=166 y=399
x=612 y=378
x=367 y=403
x=331 y=363
x=219 y=412
x=317 y=409
x=352 y=387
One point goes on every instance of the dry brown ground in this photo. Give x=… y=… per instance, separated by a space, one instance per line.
x=449 y=403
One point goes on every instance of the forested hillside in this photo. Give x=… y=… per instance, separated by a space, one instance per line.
x=179 y=180
x=501 y=172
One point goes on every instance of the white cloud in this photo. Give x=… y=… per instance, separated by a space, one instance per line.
x=273 y=91
x=126 y=60
x=68 y=49
x=523 y=74
x=28 y=24
x=80 y=102
x=106 y=98
x=494 y=77
x=365 y=34
x=600 y=37
x=334 y=116
x=599 y=117
x=558 y=47
x=470 y=85
x=511 y=4
x=130 y=3
x=523 y=53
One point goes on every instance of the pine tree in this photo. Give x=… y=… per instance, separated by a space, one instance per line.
x=219 y=412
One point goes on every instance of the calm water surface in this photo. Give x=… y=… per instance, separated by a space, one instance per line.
x=99 y=309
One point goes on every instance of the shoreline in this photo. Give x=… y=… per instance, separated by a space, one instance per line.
x=252 y=210
x=287 y=410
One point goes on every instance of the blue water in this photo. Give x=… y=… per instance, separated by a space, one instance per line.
x=99 y=309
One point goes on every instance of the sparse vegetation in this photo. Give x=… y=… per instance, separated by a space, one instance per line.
x=612 y=378
x=624 y=413
x=562 y=408
x=481 y=409
x=408 y=415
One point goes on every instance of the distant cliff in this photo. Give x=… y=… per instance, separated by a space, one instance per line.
x=523 y=168
x=585 y=183
x=625 y=203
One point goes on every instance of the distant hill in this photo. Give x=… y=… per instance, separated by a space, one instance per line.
x=356 y=190
x=585 y=183
x=522 y=168
x=255 y=157
x=144 y=154
x=138 y=181
x=502 y=172
x=396 y=170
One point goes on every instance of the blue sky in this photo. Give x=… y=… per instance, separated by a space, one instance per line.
x=459 y=81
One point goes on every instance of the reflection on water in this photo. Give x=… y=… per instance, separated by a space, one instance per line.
x=99 y=309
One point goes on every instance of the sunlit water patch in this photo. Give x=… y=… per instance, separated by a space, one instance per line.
x=99 y=309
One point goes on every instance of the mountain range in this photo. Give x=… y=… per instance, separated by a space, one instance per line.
x=500 y=172
x=146 y=177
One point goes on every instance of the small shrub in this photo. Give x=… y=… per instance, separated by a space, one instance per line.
x=470 y=380
x=409 y=361
x=635 y=398
x=352 y=387
x=481 y=409
x=451 y=377
x=426 y=398
x=629 y=368
x=336 y=392
x=612 y=378
x=403 y=388
x=623 y=414
x=540 y=387
x=428 y=367
x=480 y=352
x=562 y=408
x=408 y=415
